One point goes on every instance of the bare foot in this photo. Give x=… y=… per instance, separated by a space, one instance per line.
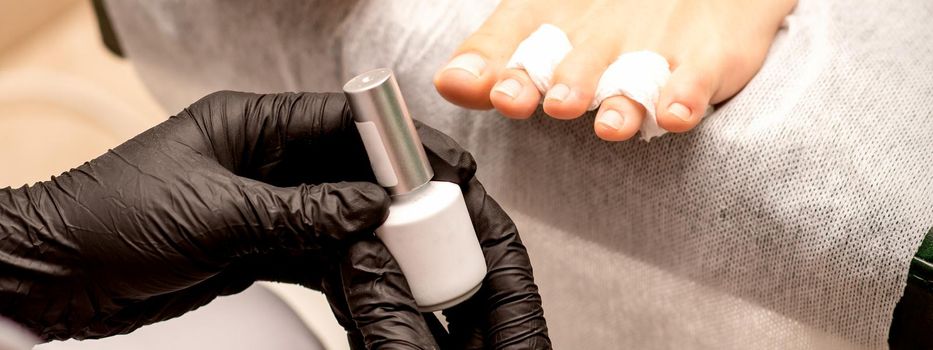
x=714 y=48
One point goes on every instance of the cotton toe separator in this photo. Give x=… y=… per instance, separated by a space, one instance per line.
x=637 y=75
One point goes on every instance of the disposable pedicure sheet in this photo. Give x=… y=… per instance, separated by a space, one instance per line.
x=786 y=220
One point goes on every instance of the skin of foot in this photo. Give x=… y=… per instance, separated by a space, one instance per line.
x=714 y=48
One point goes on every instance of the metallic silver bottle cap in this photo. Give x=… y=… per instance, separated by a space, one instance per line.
x=388 y=133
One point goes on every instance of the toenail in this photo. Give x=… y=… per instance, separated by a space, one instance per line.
x=510 y=87
x=610 y=119
x=558 y=93
x=680 y=111
x=470 y=62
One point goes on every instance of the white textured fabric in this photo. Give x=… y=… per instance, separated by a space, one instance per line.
x=785 y=221
x=637 y=75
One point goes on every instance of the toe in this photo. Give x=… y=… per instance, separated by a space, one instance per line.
x=619 y=119
x=515 y=95
x=684 y=98
x=476 y=65
x=575 y=80
x=465 y=81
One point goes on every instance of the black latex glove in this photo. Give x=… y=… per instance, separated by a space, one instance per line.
x=176 y=216
x=199 y=206
x=506 y=312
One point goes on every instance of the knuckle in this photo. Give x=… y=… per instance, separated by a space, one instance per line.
x=202 y=107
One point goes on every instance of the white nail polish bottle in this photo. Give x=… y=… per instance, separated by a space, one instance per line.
x=428 y=231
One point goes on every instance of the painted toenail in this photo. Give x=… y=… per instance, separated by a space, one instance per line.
x=510 y=87
x=680 y=111
x=611 y=119
x=558 y=93
x=470 y=62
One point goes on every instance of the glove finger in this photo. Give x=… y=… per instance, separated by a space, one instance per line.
x=332 y=287
x=380 y=303
x=318 y=142
x=509 y=302
x=451 y=163
x=466 y=324
x=306 y=216
x=283 y=139
x=441 y=336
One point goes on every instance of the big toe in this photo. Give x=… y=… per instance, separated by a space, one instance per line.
x=477 y=64
x=466 y=81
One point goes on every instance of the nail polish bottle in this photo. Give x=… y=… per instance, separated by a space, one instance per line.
x=428 y=230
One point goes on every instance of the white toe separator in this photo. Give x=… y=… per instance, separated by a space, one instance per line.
x=639 y=76
x=540 y=53
x=636 y=75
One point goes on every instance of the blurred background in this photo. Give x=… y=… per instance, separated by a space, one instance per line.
x=65 y=99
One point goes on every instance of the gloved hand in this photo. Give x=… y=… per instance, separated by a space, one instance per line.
x=506 y=312
x=237 y=187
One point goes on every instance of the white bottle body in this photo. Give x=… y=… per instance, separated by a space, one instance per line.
x=430 y=235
